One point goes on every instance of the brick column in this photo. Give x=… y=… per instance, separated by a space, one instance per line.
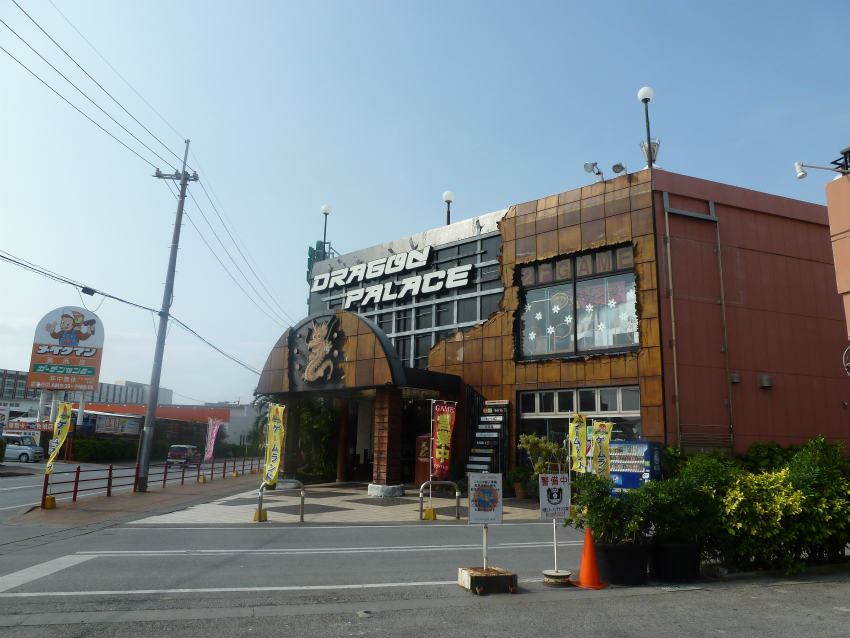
x=343 y=440
x=386 y=465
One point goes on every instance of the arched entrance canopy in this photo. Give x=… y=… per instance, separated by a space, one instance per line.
x=341 y=352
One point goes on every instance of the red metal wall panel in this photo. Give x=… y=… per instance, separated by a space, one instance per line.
x=784 y=316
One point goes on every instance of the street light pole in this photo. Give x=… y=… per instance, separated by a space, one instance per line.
x=326 y=210
x=645 y=95
x=168 y=293
x=448 y=197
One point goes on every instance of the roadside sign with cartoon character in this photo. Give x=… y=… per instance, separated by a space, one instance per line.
x=66 y=351
x=554 y=495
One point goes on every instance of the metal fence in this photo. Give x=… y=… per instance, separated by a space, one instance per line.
x=110 y=478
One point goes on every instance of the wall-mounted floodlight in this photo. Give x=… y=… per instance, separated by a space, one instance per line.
x=619 y=167
x=800 y=168
x=592 y=167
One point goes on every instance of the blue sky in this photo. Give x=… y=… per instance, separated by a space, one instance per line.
x=374 y=108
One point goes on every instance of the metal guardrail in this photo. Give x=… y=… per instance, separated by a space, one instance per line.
x=431 y=484
x=112 y=477
x=298 y=486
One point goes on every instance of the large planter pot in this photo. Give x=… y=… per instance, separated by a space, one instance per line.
x=674 y=562
x=623 y=564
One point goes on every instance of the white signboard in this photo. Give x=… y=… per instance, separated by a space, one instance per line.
x=485 y=499
x=554 y=495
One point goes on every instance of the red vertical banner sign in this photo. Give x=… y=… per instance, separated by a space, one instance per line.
x=442 y=424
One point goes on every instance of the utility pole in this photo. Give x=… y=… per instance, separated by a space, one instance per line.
x=167 y=295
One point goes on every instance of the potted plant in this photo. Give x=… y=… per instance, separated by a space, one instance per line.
x=678 y=510
x=518 y=476
x=620 y=528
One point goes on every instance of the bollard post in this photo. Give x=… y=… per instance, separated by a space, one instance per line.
x=243 y=466
x=76 y=483
x=457 y=504
x=224 y=469
x=198 y=477
x=165 y=475
x=109 y=481
x=44 y=490
x=212 y=468
x=302 y=505
x=183 y=475
x=136 y=478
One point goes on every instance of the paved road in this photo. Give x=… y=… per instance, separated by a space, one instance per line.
x=372 y=580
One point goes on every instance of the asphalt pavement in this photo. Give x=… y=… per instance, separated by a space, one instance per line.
x=116 y=567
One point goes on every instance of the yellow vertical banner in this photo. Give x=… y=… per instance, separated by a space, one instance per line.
x=578 y=440
x=600 y=450
x=60 y=433
x=274 y=443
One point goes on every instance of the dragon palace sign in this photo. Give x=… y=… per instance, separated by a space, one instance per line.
x=412 y=286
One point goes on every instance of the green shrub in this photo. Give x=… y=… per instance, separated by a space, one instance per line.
x=757 y=513
x=614 y=519
x=766 y=457
x=100 y=450
x=543 y=453
x=679 y=510
x=822 y=529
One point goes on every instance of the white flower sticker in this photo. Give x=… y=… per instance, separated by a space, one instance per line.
x=538 y=316
x=568 y=319
x=550 y=330
x=527 y=307
x=532 y=335
x=589 y=307
x=612 y=303
x=600 y=327
x=556 y=309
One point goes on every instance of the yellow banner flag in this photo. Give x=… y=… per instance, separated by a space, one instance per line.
x=275 y=437
x=600 y=456
x=578 y=441
x=60 y=433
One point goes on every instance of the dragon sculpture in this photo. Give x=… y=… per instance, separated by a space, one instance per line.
x=320 y=344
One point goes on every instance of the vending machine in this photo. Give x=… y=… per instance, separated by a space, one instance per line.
x=633 y=463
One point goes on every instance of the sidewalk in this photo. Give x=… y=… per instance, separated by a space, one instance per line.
x=234 y=501
x=331 y=503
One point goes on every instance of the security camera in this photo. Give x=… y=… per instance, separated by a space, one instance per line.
x=619 y=168
x=801 y=172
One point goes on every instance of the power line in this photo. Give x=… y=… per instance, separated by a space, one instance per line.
x=84 y=94
x=27 y=265
x=284 y=314
x=79 y=66
x=226 y=270
x=233 y=261
x=245 y=259
x=114 y=70
x=76 y=108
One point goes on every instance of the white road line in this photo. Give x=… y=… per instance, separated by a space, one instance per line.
x=12 y=507
x=217 y=590
x=18 y=487
x=306 y=551
x=144 y=527
x=23 y=576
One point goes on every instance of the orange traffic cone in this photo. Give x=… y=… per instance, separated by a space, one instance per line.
x=588 y=574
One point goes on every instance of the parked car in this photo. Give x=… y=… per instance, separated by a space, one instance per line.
x=23 y=448
x=183 y=455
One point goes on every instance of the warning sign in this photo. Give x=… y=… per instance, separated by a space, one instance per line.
x=554 y=495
